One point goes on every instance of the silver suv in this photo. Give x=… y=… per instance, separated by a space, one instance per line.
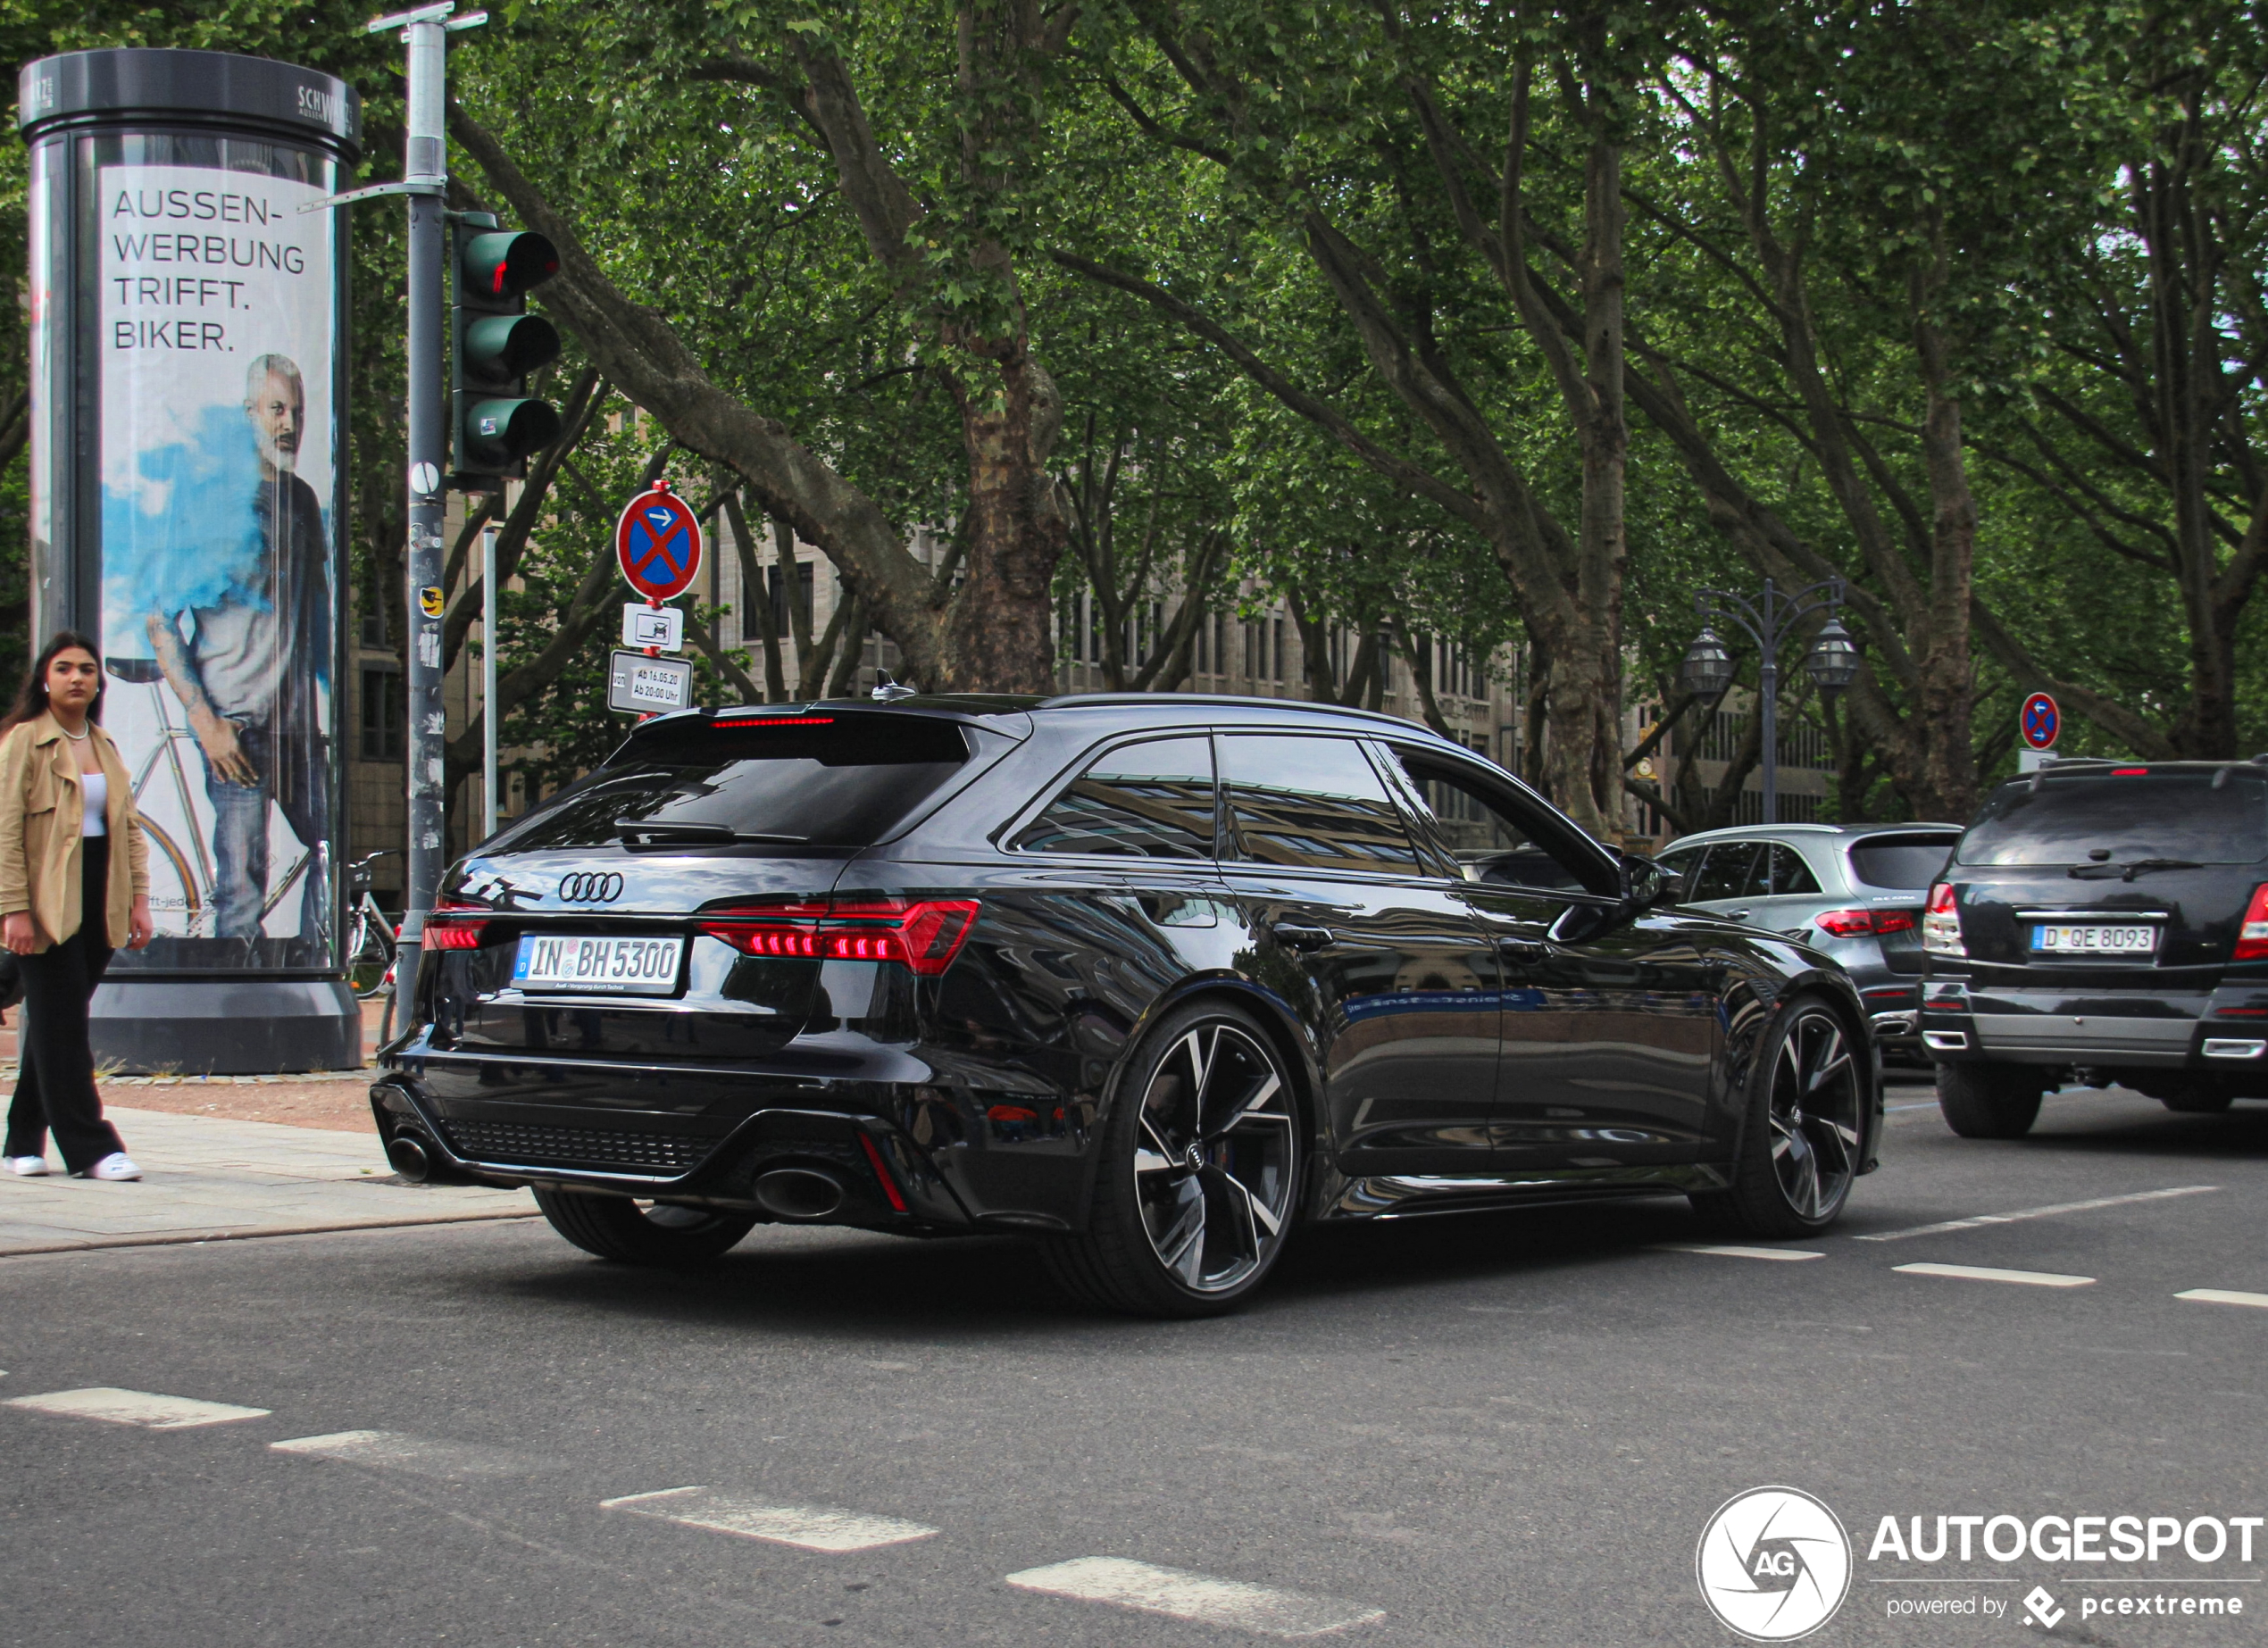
x=1854 y=891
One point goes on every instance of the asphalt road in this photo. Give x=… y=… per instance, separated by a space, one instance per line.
x=1506 y=1429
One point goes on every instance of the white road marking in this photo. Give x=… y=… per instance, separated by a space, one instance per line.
x=1982 y=1220
x=807 y=1528
x=391 y=1450
x=142 y=1408
x=2221 y=1295
x=1178 y=1595
x=1735 y=1252
x=1986 y=1273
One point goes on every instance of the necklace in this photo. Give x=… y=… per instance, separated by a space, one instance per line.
x=76 y=738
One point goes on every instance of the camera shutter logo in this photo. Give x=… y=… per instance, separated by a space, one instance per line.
x=1773 y=1564
x=590 y=887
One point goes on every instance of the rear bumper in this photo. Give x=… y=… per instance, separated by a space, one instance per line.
x=2175 y=1030
x=909 y=1155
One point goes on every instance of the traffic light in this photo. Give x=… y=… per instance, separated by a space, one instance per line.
x=496 y=345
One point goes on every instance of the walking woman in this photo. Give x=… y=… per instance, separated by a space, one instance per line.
x=74 y=883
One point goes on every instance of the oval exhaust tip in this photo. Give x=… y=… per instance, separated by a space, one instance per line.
x=410 y=1158
x=797 y=1192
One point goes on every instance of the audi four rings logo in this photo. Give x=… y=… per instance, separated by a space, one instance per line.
x=590 y=888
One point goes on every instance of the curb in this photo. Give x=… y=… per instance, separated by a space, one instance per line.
x=228 y=1233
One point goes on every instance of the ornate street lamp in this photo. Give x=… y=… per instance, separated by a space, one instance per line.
x=1831 y=663
x=1707 y=671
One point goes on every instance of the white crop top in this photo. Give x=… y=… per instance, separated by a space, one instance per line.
x=95 y=788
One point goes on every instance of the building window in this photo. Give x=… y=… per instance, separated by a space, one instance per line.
x=385 y=712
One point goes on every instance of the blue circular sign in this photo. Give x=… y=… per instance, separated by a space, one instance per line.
x=658 y=544
x=2041 y=722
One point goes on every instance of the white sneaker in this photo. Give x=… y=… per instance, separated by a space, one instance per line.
x=114 y=1166
x=28 y=1167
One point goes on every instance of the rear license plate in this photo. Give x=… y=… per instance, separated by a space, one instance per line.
x=616 y=966
x=2094 y=940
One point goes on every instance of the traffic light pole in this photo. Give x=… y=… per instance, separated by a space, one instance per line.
x=428 y=452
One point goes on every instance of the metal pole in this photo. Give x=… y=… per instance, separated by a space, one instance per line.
x=425 y=161
x=1768 y=689
x=488 y=680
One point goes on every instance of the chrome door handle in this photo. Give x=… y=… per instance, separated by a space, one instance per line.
x=1521 y=948
x=1300 y=935
x=1737 y=915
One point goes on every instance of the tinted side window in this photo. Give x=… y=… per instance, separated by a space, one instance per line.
x=1489 y=843
x=1724 y=873
x=841 y=781
x=1152 y=800
x=1681 y=863
x=1790 y=873
x=1316 y=803
x=1906 y=865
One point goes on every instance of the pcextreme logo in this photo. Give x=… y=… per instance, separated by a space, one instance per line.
x=1773 y=1564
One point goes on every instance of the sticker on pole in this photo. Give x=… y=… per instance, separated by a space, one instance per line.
x=2040 y=722
x=644 y=685
x=658 y=543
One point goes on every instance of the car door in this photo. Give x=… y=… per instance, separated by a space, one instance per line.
x=1732 y=879
x=1375 y=954
x=1791 y=896
x=1610 y=1017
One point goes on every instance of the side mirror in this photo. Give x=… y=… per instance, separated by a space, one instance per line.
x=1644 y=884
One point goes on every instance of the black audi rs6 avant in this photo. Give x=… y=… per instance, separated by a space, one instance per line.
x=1152 y=980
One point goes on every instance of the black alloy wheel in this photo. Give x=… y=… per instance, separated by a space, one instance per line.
x=642 y=1233
x=1801 y=1143
x=1200 y=1172
x=1990 y=1101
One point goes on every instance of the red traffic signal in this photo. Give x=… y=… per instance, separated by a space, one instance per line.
x=507 y=263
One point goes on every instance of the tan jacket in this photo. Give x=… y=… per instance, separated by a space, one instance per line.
x=42 y=811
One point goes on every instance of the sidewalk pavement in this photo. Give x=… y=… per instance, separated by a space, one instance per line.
x=204 y=1179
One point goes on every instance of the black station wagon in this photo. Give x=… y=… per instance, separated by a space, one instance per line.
x=1152 y=980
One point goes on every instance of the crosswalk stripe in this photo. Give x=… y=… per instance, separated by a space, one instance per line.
x=2221 y=1295
x=391 y=1450
x=807 y=1528
x=1987 y=1273
x=1261 y=1609
x=145 y=1409
x=1735 y=1252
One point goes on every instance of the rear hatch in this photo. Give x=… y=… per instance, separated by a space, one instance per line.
x=2113 y=878
x=1894 y=871
x=678 y=904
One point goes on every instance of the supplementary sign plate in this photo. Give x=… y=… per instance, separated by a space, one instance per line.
x=646 y=685
x=653 y=626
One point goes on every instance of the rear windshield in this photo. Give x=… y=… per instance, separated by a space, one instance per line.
x=844 y=782
x=1904 y=864
x=2146 y=815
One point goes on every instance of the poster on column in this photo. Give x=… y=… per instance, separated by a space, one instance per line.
x=217 y=319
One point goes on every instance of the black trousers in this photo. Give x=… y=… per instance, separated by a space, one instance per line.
x=55 y=1089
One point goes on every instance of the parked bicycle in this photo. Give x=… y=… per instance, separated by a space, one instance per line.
x=371 y=935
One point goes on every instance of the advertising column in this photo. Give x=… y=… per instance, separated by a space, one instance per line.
x=188 y=480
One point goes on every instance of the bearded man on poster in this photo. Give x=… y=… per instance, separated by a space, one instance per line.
x=246 y=673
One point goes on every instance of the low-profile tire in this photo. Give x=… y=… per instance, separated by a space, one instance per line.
x=619 y=1228
x=2198 y=1101
x=1990 y=1101
x=1198 y=1178
x=1802 y=1137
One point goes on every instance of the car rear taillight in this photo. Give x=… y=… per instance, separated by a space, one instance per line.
x=921 y=934
x=1850 y=923
x=2252 y=937
x=1941 y=923
x=448 y=929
